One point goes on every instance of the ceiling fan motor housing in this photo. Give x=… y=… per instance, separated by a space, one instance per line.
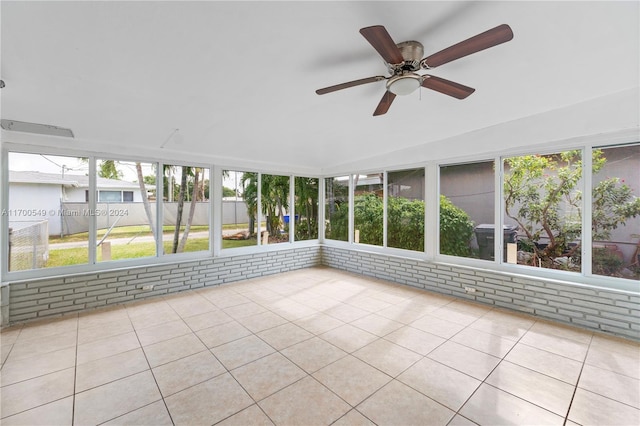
x=412 y=52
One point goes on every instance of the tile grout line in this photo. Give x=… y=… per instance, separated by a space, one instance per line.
x=150 y=370
x=575 y=388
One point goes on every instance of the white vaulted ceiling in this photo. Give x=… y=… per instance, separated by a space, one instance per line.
x=238 y=79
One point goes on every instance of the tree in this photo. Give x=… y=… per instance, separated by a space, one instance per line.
x=192 y=209
x=306 y=208
x=145 y=200
x=250 y=195
x=542 y=196
x=107 y=169
x=228 y=192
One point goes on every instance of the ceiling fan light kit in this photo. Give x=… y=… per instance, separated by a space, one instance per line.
x=404 y=59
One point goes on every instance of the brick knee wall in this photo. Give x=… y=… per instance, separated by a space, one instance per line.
x=610 y=311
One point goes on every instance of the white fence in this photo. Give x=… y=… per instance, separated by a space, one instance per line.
x=28 y=245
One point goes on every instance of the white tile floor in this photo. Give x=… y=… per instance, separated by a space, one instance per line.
x=314 y=347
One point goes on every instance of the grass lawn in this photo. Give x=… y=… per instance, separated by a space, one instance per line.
x=76 y=256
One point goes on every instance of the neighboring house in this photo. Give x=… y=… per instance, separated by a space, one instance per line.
x=36 y=196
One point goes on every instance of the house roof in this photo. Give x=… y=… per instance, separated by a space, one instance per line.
x=76 y=181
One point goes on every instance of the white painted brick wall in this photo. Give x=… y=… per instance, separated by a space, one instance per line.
x=28 y=300
x=609 y=311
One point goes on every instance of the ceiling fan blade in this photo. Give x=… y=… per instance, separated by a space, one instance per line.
x=493 y=37
x=383 y=43
x=385 y=103
x=349 y=84
x=447 y=87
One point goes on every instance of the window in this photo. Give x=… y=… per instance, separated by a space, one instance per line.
x=543 y=199
x=306 y=209
x=47 y=213
x=186 y=209
x=275 y=206
x=616 y=212
x=467 y=199
x=368 y=212
x=405 y=209
x=239 y=209
x=337 y=208
x=124 y=230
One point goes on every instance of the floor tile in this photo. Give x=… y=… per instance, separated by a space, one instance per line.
x=348 y=338
x=561 y=330
x=284 y=335
x=154 y=414
x=26 y=348
x=241 y=351
x=207 y=319
x=186 y=372
x=353 y=418
x=387 y=357
x=415 y=340
x=484 y=342
x=262 y=321
x=166 y=331
x=503 y=325
x=252 y=415
x=612 y=385
x=398 y=404
x=104 y=370
x=191 y=304
x=290 y=406
x=351 y=379
x=37 y=365
x=491 y=406
x=589 y=408
x=55 y=326
x=32 y=393
x=226 y=300
x=443 y=384
x=625 y=362
x=105 y=402
x=469 y=361
x=244 y=310
x=378 y=325
x=108 y=329
x=208 y=402
x=173 y=349
x=455 y=315
x=107 y=347
x=556 y=366
x=544 y=391
x=346 y=313
x=319 y=323
x=437 y=326
x=58 y=412
x=313 y=354
x=458 y=420
x=102 y=316
x=154 y=318
x=558 y=345
x=267 y=375
x=221 y=334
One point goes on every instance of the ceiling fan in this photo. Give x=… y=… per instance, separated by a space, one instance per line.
x=404 y=59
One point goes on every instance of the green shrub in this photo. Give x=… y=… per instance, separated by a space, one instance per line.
x=405 y=227
x=456 y=229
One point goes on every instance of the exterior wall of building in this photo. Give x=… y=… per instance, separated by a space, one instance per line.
x=34 y=202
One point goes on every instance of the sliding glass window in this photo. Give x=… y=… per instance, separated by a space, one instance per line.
x=368 y=211
x=405 y=209
x=543 y=202
x=306 y=209
x=48 y=215
x=616 y=212
x=239 y=209
x=126 y=207
x=185 y=208
x=467 y=210
x=336 y=208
